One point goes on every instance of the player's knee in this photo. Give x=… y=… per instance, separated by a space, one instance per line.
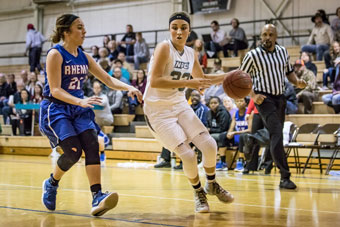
x=205 y=143
x=72 y=153
x=188 y=156
x=90 y=144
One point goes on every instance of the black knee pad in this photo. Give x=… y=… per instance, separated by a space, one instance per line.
x=90 y=145
x=72 y=153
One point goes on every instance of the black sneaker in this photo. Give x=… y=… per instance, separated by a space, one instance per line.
x=287 y=184
x=180 y=166
x=163 y=164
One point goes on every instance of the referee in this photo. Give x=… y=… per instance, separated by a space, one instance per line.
x=268 y=65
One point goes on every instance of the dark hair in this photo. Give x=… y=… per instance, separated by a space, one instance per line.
x=117 y=60
x=28 y=95
x=215 y=97
x=41 y=89
x=98 y=81
x=144 y=75
x=214 y=22
x=336 y=11
x=129 y=25
x=237 y=21
x=180 y=15
x=247 y=99
x=63 y=24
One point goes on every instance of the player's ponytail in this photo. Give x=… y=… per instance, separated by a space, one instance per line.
x=63 y=24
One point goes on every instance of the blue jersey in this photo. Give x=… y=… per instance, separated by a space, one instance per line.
x=59 y=120
x=240 y=124
x=73 y=72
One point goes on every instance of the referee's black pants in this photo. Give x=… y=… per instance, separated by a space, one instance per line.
x=272 y=112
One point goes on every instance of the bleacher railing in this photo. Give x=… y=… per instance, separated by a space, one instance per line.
x=156 y=35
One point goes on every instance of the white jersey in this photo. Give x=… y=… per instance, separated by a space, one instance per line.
x=178 y=67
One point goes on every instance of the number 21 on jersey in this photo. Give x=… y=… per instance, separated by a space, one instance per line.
x=75 y=83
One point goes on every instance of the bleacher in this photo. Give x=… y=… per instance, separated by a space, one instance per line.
x=131 y=138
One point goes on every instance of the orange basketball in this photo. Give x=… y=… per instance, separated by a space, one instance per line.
x=237 y=84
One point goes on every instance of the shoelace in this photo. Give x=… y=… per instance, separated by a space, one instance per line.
x=219 y=189
x=51 y=192
x=201 y=197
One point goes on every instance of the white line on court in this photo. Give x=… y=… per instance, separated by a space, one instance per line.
x=180 y=199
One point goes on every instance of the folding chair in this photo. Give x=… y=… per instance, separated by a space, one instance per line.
x=304 y=137
x=334 y=155
x=326 y=139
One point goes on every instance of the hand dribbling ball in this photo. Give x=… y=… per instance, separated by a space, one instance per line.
x=237 y=84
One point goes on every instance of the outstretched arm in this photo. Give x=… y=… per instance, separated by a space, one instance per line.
x=112 y=82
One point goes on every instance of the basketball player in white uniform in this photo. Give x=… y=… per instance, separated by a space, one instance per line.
x=170 y=117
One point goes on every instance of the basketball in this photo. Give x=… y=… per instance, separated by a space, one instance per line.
x=237 y=84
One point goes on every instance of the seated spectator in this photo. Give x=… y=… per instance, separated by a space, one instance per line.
x=202 y=56
x=95 y=52
x=216 y=89
x=191 y=39
x=329 y=72
x=334 y=98
x=307 y=59
x=106 y=40
x=87 y=85
x=22 y=118
x=104 y=64
x=320 y=38
x=305 y=95
x=129 y=39
x=218 y=122
x=201 y=111
x=141 y=52
x=103 y=117
x=290 y=95
x=37 y=98
x=237 y=39
x=3 y=91
x=12 y=100
x=125 y=72
x=33 y=81
x=323 y=16
x=251 y=155
x=140 y=81
x=335 y=25
x=24 y=77
x=115 y=98
x=229 y=104
x=217 y=40
x=125 y=64
x=103 y=54
x=117 y=73
x=140 y=84
x=113 y=50
x=12 y=85
x=239 y=124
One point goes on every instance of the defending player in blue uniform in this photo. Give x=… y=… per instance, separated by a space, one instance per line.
x=66 y=117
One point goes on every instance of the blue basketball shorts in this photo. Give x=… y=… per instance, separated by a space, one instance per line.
x=60 y=121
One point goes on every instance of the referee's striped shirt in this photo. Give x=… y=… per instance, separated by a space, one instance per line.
x=267 y=69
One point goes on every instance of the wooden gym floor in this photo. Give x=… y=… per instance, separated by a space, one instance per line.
x=150 y=197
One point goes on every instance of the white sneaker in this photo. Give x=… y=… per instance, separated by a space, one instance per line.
x=214 y=188
x=201 y=203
